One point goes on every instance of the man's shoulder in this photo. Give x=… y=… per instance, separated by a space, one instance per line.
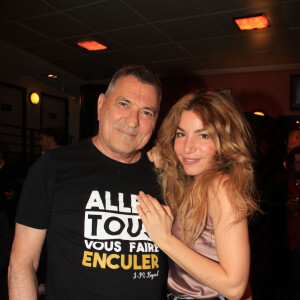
x=70 y=149
x=71 y=152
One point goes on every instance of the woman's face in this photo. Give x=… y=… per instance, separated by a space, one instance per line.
x=193 y=146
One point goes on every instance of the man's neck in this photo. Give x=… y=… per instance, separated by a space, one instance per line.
x=53 y=146
x=127 y=158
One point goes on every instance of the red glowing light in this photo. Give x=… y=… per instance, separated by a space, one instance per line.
x=250 y=23
x=92 y=45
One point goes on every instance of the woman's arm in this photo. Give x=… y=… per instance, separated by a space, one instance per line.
x=230 y=276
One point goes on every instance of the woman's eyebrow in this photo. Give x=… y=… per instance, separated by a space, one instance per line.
x=197 y=131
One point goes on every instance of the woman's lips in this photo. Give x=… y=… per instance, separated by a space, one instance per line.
x=190 y=161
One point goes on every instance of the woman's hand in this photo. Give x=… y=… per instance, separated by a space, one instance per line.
x=155 y=157
x=157 y=218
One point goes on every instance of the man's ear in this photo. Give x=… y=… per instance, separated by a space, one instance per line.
x=101 y=99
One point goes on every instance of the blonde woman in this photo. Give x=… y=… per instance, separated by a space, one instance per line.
x=207 y=181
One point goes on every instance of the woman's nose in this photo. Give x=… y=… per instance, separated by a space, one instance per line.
x=189 y=145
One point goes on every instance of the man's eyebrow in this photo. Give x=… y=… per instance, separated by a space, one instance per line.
x=124 y=99
x=151 y=108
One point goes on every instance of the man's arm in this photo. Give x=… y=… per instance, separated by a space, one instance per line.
x=24 y=260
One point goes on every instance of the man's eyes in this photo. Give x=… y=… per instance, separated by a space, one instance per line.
x=147 y=113
x=123 y=104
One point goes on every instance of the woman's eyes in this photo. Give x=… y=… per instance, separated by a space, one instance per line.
x=203 y=136
x=179 y=134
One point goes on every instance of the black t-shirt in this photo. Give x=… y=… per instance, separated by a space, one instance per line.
x=97 y=246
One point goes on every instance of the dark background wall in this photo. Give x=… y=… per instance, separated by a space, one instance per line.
x=268 y=91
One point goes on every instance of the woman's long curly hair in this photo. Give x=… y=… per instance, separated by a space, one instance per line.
x=186 y=195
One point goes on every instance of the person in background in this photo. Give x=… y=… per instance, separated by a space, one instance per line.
x=292 y=224
x=84 y=197
x=50 y=138
x=9 y=186
x=293 y=139
x=206 y=174
x=6 y=194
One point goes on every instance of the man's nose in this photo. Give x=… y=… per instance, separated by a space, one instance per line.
x=132 y=119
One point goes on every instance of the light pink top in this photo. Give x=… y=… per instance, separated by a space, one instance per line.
x=180 y=283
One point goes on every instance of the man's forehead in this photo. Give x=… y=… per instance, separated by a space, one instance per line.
x=131 y=81
x=129 y=86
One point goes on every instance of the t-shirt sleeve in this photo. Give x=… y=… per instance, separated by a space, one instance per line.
x=34 y=209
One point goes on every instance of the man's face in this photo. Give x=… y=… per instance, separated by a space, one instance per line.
x=296 y=166
x=127 y=118
x=44 y=143
x=293 y=139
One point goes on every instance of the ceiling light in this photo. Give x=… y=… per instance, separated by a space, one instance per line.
x=52 y=76
x=259 y=113
x=92 y=45
x=252 y=22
